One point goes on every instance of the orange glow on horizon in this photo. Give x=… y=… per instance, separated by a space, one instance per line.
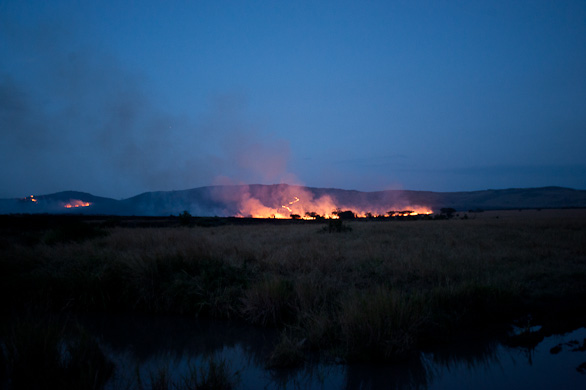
x=30 y=199
x=74 y=203
x=303 y=206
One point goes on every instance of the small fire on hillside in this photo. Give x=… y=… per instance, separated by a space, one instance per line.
x=74 y=203
x=303 y=206
x=30 y=199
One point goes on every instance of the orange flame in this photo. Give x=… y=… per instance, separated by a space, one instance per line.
x=301 y=205
x=304 y=206
x=30 y=199
x=73 y=203
x=410 y=211
x=290 y=203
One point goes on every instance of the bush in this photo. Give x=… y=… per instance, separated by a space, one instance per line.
x=185 y=218
x=337 y=226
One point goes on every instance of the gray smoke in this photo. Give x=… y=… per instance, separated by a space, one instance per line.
x=73 y=117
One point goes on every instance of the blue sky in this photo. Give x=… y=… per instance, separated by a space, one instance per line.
x=117 y=99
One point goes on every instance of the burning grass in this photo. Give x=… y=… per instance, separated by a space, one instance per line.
x=377 y=292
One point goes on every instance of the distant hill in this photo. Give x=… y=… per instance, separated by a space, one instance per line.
x=63 y=202
x=243 y=200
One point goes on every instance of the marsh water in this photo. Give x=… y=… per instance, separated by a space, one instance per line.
x=141 y=346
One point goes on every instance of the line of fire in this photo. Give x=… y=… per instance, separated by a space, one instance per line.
x=345 y=214
x=325 y=208
x=72 y=204
x=297 y=209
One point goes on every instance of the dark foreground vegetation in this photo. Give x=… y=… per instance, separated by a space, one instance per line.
x=370 y=291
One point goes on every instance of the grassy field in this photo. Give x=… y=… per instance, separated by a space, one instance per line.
x=377 y=291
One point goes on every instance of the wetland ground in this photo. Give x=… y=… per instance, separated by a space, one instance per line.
x=376 y=292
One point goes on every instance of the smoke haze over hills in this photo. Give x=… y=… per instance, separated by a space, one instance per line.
x=240 y=201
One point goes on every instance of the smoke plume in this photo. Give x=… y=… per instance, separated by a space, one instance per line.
x=73 y=117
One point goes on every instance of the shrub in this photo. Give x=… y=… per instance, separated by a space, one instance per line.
x=347 y=214
x=337 y=226
x=185 y=218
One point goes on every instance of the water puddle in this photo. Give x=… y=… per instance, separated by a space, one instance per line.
x=140 y=346
x=553 y=363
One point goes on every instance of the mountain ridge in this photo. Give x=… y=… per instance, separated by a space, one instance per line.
x=233 y=200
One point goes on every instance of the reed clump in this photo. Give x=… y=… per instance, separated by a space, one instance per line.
x=380 y=324
x=288 y=352
x=268 y=302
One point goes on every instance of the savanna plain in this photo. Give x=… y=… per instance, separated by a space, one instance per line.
x=366 y=291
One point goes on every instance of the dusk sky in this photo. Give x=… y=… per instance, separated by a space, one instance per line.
x=118 y=98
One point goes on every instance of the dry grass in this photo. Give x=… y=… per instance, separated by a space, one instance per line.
x=378 y=290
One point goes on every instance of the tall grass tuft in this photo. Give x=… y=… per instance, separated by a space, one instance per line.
x=269 y=302
x=161 y=380
x=380 y=324
x=214 y=375
x=288 y=353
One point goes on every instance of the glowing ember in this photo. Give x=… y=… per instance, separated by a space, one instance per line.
x=30 y=199
x=74 y=203
x=290 y=203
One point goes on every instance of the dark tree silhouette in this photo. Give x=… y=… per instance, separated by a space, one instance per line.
x=448 y=211
x=348 y=214
x=185 y=218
